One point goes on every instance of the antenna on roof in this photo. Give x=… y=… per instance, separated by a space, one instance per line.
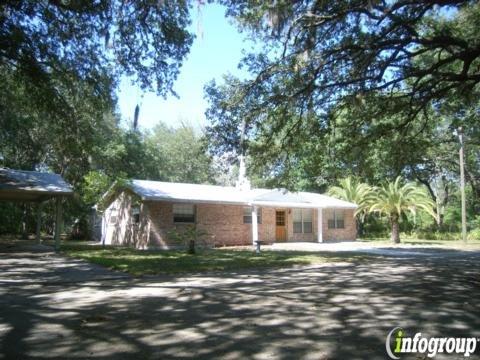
x=242 y=183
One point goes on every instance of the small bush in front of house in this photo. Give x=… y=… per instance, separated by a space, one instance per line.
x=190 y=237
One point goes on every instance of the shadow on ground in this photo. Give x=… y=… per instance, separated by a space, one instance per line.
x=53 y=307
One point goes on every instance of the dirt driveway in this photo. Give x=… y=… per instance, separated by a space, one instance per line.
x=53 y=307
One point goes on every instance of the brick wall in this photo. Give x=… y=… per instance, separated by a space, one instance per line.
x=225 y=227
x=223 y=223
x=349 y=232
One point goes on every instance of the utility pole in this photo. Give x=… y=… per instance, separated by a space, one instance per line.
x=462 y=184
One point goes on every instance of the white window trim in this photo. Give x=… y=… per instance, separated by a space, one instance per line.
x=335 y=227
x=302 y=221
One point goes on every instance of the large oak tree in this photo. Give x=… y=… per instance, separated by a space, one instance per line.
x=376 y=69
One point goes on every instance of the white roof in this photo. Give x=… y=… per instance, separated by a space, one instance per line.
x=31 y=185
x=181 y=192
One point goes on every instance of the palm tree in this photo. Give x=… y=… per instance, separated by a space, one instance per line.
x=352 y=190
x=393 y=199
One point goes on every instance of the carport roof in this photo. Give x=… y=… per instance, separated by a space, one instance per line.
x=22 y=185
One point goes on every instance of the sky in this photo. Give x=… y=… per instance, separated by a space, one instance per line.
x=216 y=50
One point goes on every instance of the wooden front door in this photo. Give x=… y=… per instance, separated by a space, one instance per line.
x=280 y=228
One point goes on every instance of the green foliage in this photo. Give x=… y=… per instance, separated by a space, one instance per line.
x=190 y=237
x=95 y=184
x=338 y=89
x=432 y=235
x=11 y=214
x=352 y=190
x=60 y=66
x=179 y=154
x=317 y=53
x=475 y=222
x=85 y=40
x=473 y=234
x=453 y=217
x=394 y=199
x=321 y=105
x=112 y=154
x=31 y=137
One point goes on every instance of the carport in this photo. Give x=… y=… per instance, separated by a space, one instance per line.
x=36 y=187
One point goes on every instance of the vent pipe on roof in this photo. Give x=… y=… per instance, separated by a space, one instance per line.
x=243 y=183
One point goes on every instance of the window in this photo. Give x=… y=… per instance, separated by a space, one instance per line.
x=183 y=213
x=339 y=222
x=247 y=215
x=280 y=218
x=297 y=221
x=113 y=216
x=302 y=221
x=336 y=219
x=135 y=215
x=307 y=217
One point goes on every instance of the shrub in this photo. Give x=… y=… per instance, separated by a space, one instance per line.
x=376 y=235
x=475 y=223
x=190 y=237
x=474 y=234
x=432 y=235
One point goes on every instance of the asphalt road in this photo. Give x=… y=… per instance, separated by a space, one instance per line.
x=58 y=308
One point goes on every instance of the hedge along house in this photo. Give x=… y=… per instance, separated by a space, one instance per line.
x=143 y=213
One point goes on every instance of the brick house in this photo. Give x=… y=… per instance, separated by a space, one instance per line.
x=143 y=213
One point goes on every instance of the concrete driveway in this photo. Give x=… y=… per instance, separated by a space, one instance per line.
x=53 y=307
x=376 y=248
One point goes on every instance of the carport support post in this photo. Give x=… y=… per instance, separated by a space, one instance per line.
x=320 y=225
x=254 y=226
x=58 y=220
x=39 y=222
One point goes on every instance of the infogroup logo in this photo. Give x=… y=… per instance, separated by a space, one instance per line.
x=423 y=345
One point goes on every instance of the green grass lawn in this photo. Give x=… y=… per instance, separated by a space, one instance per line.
x=141 y=262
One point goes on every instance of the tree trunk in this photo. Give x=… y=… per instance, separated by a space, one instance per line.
x=441 y=221
x=395 y=230
x=437 y=212
x=359 y=227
